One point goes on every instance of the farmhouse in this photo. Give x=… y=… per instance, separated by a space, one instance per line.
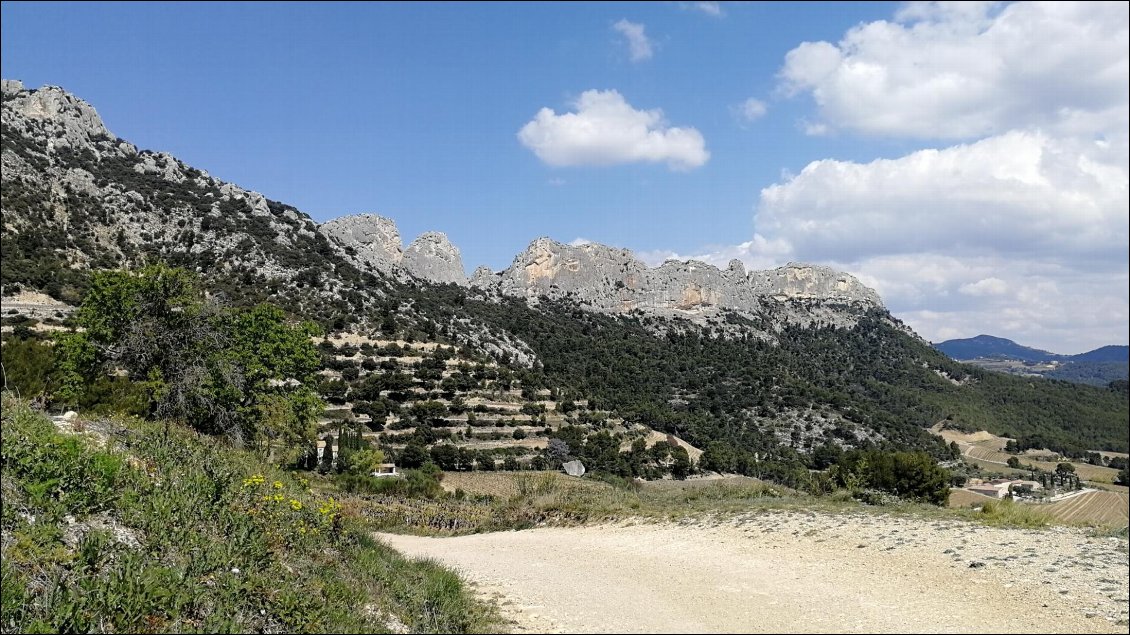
x=999 y=488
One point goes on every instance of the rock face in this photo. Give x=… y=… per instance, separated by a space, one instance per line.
x=375 y=239
x=800 y=280
x=432 y=257
x=613 y=280
x=375 y=244
x=76 y=121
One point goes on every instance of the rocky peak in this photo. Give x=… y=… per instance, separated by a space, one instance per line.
x=375 y=244
x=805 y=281
x=433 y=257
x=77 y=120
x=374 y=239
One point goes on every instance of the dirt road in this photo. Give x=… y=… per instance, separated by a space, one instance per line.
x=793 y=572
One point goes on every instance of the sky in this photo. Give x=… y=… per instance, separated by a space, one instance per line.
x=969 y=161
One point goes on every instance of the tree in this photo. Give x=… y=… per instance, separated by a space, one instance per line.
x=245 y=373
x=1064 y=469
x=445 y=456
x=556 y=452
x=413 y=456
x=912 y=475
x=428 y=411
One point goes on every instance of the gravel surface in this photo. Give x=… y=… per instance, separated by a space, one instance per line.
x=794 y=572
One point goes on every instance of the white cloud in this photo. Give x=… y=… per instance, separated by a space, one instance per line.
x=814 y=129
x=985 y=286
x=578 y=241
x=751 y=110
x=1021 y=229
x=556 y=181
x=606 y=130
x=640 y=48
x=1020 y=192
x=713 y=9
x=1020 y=235
x=759 y=253
x=963 y=70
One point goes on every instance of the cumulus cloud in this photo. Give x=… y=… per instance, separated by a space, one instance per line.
x=1020 y=192
x=712 y=9
x=606 y=130
x=985 y=286
x=639 y=46
x=1015 y=222
x=1021 y=235
x=964 y=70
x=751 y=110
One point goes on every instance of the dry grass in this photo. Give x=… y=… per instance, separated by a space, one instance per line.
x=506 y=485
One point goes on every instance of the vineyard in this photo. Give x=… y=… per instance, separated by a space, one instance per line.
x=1104 y=508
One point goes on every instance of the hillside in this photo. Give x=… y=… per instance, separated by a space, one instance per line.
x=120 y=526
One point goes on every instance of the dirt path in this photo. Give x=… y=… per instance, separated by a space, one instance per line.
x=792 y=572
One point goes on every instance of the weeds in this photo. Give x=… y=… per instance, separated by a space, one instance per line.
x=159 y=533
x=1012 y=514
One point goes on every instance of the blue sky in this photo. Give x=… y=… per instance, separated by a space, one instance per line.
x=911 y=145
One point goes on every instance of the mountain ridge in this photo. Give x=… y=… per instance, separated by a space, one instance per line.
x=964 y=349
x=77 y=197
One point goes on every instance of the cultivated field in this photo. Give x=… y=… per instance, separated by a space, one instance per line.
x=1107 y=508
x=966 y=498
x=986 y=450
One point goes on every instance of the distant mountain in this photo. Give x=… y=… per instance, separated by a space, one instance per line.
x=987 y=346
x=990 y=347
x=1104 y=354
x=1097 y=368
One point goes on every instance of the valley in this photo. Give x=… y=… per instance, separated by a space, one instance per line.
x=184 y=355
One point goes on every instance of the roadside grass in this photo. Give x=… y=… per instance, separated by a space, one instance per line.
x=1009 y=513
x=147 y=531
x=520 y=500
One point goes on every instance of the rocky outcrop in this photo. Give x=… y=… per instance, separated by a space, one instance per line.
x=433 y=257
x=75 y=123
x=804 y=281
x=613 y=280
x=373 y=242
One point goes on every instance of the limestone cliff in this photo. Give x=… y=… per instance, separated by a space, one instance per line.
x=612 y=280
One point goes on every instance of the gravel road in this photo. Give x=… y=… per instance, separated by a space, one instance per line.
x=794 y=572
